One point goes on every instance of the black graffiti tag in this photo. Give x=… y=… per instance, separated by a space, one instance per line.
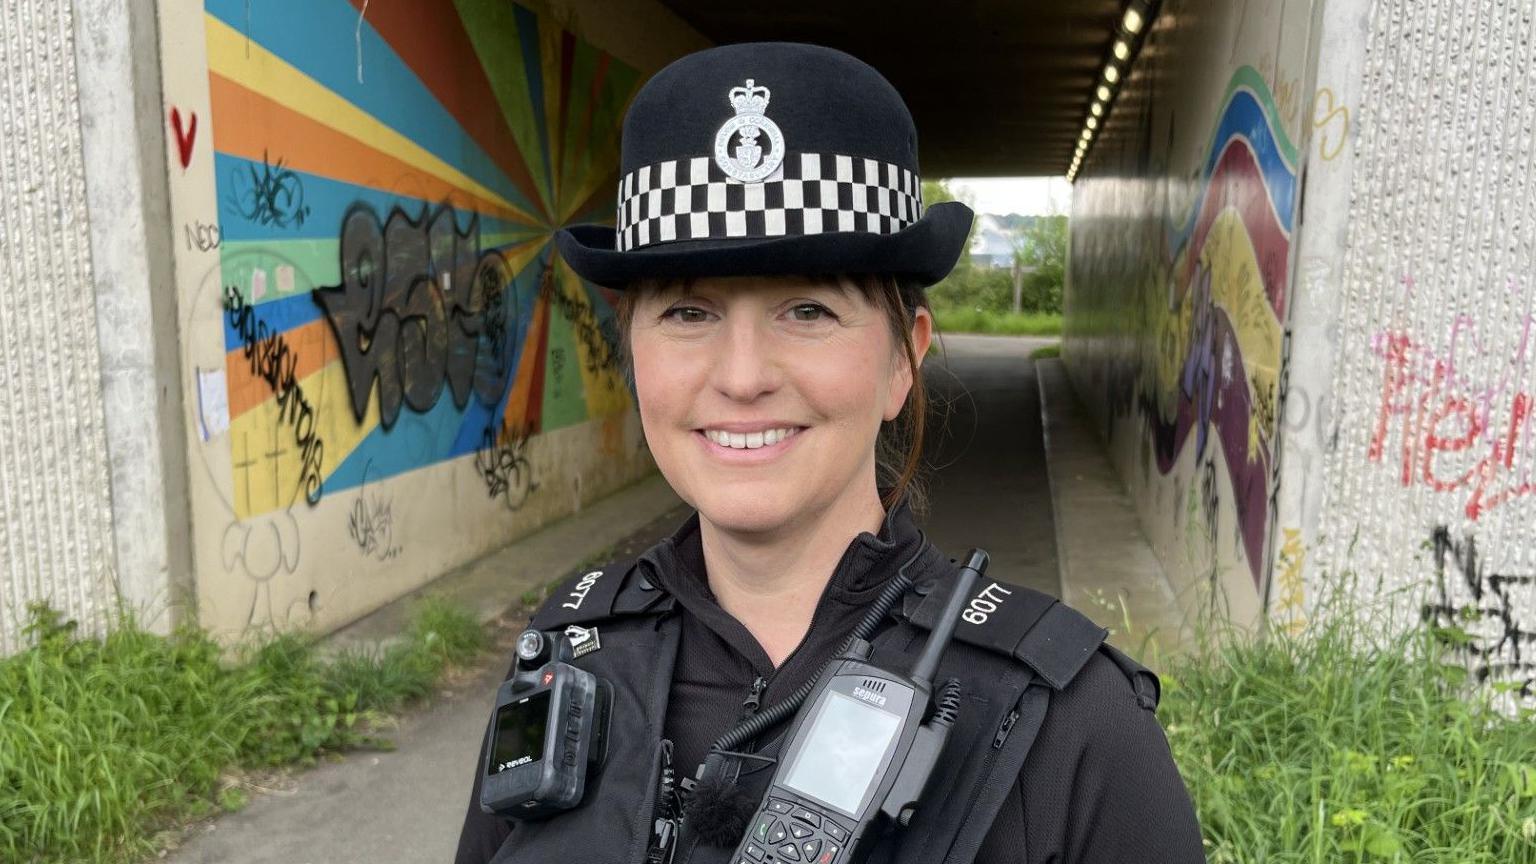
x=273 y=361
x=1502 y=648
x=502 y=465
x=420 y=305
x=269 y=195
x=371 y=525
x=597 y=335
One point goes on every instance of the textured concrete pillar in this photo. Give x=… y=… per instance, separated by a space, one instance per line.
x=55 y=502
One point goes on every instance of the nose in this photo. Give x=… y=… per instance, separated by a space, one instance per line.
x=746 y=362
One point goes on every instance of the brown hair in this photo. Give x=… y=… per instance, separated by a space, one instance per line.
x=899 y=448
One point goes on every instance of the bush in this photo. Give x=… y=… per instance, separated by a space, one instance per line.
x=990 y=289
x=999 y=323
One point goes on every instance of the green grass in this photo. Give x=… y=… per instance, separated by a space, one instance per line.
x=1001 y=323
x=1046 y=352
x=104 y=744
x=1342 y=745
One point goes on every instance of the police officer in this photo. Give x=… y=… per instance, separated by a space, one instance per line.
x=771 y=251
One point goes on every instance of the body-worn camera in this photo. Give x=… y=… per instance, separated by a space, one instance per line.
x=549 y=729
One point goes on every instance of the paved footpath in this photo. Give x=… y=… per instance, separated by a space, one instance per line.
x=989 y=487
x=406 y=805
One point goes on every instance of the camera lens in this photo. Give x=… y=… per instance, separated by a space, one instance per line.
x=530 y=645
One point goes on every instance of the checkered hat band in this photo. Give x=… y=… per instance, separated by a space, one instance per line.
x=811 y=193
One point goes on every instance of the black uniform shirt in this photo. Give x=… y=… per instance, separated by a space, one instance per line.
x=1099 y=785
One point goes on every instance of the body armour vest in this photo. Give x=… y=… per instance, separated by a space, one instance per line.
x=1011 y=649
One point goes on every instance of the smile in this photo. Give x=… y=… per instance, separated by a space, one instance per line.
x=750 y=440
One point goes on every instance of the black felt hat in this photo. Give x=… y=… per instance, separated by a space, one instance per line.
x=769 y=158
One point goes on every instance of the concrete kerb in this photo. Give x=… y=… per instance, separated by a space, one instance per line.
x=492 y=584
x=1108 y=569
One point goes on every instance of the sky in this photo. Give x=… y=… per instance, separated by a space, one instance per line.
x=1027 y=196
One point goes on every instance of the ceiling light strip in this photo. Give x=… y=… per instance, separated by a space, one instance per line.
x=1125 y=44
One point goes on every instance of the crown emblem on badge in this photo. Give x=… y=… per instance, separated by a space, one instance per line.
x=747 y=161
x=749 y=99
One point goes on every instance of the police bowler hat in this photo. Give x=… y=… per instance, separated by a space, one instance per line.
x=769 y=159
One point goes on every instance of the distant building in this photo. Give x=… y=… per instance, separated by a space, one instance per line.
x=996 y=237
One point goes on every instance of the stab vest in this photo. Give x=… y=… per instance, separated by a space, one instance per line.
x=1012 y=648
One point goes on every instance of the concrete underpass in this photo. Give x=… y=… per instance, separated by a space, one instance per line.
x=1296 y=354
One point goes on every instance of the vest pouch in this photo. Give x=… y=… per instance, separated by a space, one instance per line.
x=614 y=821
x=980 y=762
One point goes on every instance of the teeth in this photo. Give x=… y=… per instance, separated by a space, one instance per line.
x=748 y=440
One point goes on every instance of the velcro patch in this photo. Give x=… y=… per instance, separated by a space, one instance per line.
x=1052 y=639
x=996 y=616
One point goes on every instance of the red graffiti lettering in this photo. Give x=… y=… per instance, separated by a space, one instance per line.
x=1450 y=440
x=184 y=137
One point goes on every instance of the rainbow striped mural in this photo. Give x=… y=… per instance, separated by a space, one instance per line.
x=388 y=182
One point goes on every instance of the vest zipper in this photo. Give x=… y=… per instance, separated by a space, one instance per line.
x=754 y=698
x=1001 y=737
x=998 y=740
x=664 y=831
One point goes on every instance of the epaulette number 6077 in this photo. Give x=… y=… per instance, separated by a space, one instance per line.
x=985 y=603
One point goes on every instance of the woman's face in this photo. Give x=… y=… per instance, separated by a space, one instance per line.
x=762 y=397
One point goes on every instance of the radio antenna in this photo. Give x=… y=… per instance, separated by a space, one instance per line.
x=928 y=662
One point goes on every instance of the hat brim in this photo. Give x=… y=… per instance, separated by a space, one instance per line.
x=924 y=251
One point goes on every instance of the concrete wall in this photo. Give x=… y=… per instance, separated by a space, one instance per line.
x=386 y=370
x=1429 y=482
x=1183 y=222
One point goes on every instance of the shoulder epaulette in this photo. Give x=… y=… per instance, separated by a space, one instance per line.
x=615 y=590
x=1053 y=639
x=1143 y=680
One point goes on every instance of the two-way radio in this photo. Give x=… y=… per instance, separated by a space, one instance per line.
x=859 y=756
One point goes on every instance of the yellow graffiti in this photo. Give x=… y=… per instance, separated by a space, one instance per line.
x=1329 y=118
x=1288 y=566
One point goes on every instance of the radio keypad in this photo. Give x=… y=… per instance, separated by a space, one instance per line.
x=803 y=838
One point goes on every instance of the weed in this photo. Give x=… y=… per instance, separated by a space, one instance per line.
x=1348 y=743
x=104 y=743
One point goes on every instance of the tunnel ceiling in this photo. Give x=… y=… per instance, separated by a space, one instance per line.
x=996 y=88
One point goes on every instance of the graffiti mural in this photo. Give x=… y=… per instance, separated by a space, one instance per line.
x=1197 y=368
x=385 y=223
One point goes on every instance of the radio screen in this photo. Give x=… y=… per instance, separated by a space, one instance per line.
x=520 y=732
x=842 y=751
